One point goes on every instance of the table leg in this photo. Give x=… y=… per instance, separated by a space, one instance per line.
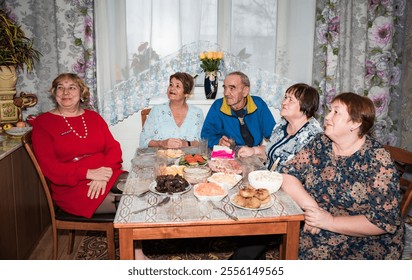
x=126 y=244
x=288 y=249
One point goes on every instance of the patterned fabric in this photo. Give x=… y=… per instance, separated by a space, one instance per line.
x=161 y=125
x=284 y=147
x=358 y=49
x=365 y=183
x=63 y=32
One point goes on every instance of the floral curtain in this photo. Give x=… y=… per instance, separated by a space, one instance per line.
x=63 y=32
x=358 y=49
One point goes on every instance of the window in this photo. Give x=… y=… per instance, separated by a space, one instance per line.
x=134 y=35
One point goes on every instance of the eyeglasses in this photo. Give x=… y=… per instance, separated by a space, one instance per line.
x=69 y=90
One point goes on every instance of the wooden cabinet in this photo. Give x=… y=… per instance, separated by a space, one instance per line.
x=23 y=208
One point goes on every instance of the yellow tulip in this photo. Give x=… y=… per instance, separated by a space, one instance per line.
x=202 y=55
x=220 y=55
x=209 y=55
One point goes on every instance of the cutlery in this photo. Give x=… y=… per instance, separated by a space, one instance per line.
x=224 y=211
x=238 y=183
x=132 y=194
x=160 y=203
x=275 y=165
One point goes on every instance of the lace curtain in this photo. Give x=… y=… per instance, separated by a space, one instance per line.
x=259 y=42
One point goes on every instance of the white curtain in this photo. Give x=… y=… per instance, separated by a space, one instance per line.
x=140 y=43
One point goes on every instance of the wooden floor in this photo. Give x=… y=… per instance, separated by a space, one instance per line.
x=43 y=250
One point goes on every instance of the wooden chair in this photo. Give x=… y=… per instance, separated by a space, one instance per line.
x=65 y=221
x=402 y=158
x=145 y=112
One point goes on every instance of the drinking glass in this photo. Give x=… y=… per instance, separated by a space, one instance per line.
x=203 y=147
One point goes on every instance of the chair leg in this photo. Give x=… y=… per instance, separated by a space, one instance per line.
x=111 y=254
x=70 y=246
x=406 y=201
x=55 y=244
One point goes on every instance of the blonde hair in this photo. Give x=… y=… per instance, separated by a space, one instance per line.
x=84 y=89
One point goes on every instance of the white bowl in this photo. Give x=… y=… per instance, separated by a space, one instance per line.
x=209 y=191
x=265 y=179
x=196 y=174
x=228 y=180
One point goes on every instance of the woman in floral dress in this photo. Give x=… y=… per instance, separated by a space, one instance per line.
x=348 y=186
x=296 y=128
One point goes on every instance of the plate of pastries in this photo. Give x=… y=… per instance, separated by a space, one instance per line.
x=249 y=198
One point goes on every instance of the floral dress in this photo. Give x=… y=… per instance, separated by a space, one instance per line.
x=365 y=183
x=283 y=146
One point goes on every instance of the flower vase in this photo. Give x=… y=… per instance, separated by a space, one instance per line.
x=210 y=85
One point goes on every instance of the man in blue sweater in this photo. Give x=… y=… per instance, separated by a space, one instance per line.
x=238 y=115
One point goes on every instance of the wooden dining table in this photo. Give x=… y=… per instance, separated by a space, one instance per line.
x=184 y=216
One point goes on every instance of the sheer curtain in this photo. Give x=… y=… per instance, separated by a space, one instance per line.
x=141 y=43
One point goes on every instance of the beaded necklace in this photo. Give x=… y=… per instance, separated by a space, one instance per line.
x=72 y=129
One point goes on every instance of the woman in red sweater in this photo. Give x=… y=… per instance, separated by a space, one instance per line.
x=76 y=151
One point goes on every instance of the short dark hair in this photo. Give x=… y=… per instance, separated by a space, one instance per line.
x=186 y=79
x=307 y=96
x=360 y=108
x=244 y=79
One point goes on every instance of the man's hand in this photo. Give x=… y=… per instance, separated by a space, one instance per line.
x=228 y=142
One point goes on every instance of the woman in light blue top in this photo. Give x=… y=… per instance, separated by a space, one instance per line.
x=175 y=124
x=296 y=128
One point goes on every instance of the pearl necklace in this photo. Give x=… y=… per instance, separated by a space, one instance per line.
x=72 y=129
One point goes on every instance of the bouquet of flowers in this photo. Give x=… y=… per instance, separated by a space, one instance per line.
x=210 y=62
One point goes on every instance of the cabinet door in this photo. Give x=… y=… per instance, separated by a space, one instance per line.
x=8 y=236
x=28 y=212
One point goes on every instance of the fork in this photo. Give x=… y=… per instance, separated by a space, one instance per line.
x=132 y=194
x=160 y=203
x=224 y=211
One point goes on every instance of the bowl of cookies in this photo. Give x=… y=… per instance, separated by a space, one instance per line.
x=265 y=179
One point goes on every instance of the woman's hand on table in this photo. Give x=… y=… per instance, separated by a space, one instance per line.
x=96 y=188
x=100 y=174
x=174 y=143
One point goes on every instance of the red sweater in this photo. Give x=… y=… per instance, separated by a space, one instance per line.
x=55 y=146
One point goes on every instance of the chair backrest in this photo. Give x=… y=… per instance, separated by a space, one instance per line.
x=144 y=113
x=402 y=158
x=27 y=143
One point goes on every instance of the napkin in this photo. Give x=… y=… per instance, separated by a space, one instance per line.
x=222 y=152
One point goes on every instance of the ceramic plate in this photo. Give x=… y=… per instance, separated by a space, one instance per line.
x=227 y=179
x=181 y=161
x=152 y=188
x=262 y=207
x=17 y=131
